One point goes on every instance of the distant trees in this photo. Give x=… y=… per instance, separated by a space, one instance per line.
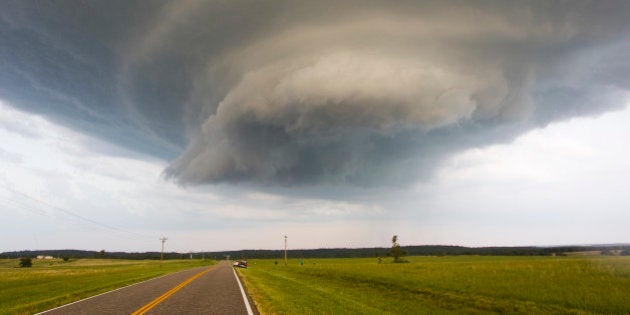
x=332 y=252
x=26 y=262
x=397 y=252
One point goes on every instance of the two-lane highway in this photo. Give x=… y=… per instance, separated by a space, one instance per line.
x=208 y=290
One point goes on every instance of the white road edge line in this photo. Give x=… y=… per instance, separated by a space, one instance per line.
x=245 y=300
x=108 y=292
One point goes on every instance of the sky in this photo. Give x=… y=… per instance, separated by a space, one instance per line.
x=225 y=125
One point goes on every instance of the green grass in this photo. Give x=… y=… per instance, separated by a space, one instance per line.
x=50 y=283
x=442 y=285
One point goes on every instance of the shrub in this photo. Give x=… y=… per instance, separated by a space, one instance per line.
x=25 y=262
x=397 y=252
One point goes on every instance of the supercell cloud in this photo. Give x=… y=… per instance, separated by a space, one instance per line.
x=289 y=93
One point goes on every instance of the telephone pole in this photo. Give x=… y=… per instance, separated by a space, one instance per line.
x=163 y=239
x=285 y=250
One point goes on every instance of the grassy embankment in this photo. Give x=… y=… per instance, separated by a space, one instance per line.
x=50 y=283
x=456 y=284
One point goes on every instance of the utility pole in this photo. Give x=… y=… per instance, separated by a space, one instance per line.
x=163 y=239
x=285 y=250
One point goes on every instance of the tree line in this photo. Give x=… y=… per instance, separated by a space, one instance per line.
x=423 y=250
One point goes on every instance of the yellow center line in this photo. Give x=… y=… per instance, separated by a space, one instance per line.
x=170 y=292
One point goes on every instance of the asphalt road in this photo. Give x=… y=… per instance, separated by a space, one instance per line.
x=207 y=290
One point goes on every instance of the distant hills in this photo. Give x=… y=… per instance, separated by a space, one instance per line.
x=424 y=250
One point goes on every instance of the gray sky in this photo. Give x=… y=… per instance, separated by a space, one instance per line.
x=227 y=124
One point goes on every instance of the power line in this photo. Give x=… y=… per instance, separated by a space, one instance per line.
x=67 y=212
x=16 y=204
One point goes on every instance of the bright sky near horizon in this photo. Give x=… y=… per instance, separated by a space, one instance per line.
x=225 y=126
x=563 y=184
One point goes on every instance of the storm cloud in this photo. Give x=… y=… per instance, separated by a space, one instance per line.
x=359 y=93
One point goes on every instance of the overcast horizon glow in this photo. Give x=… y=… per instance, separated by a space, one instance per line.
x=226 y=125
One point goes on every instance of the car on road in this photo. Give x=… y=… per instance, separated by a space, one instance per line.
x=240 y=263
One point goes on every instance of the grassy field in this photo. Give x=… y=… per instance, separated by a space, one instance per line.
x=441 y=285
x=51 y=283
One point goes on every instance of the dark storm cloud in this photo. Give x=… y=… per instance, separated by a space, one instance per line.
x=60 y=59
x=316 y=92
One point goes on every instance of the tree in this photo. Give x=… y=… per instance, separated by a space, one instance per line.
x=101 y=254
x=397 y=252
x=25 y=262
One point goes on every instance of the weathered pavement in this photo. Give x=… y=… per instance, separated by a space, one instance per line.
x=207 y=290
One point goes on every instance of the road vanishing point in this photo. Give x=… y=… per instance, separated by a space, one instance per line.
x=206 y=290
